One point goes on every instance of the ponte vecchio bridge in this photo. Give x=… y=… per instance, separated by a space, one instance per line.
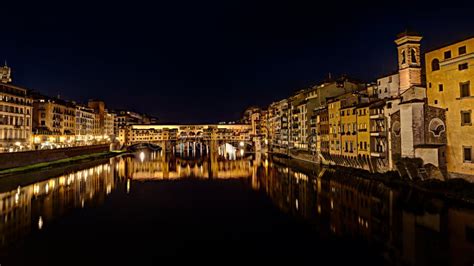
x=191 y=138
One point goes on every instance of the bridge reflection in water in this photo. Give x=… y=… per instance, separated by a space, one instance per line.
x=405 y=227
x=146 y=165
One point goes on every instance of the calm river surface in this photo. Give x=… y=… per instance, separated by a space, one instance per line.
x=146 y=209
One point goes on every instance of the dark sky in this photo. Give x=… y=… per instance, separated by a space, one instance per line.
x=206 y=61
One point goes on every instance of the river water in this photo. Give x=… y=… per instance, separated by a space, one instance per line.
x=149 y=209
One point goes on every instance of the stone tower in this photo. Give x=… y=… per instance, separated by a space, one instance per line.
x=409 y=65
x=5 y=74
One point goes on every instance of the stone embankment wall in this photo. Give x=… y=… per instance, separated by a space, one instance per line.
x=18 y=159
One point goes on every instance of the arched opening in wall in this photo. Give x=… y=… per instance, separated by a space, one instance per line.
x=396 y=128
x=436 y=127
x=413 y=55
x=435 y=64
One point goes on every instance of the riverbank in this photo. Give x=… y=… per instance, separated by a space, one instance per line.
x=59 y=163
x=457 y=190
x=25 y=158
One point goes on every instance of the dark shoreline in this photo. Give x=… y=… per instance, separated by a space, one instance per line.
x=455 y=191
x=12 y=181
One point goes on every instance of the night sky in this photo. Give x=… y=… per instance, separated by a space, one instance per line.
x=206 y=61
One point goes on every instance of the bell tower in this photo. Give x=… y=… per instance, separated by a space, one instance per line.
x=409 y=64
x=5 y=74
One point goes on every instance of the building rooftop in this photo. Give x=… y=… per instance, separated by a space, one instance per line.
x=408 y=32
x=449 y=44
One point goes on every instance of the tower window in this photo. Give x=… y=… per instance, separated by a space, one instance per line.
x=435 y=65
x=390 y=79
x=403 y=57
x=462 y=66
x=429 y=85
x=447 y=54
x=462 y=50
x=465 y=89
x=435 y=101
x=413 y=55
x=440 y=86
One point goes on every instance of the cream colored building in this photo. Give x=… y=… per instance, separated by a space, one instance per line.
x=109 y=119
x=450 y=79
x=54 y=122
x=84 y=124
x=15 y=115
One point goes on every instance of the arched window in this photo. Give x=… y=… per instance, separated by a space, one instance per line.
x=435 y=64
x=413 y=55
x=403 y=57
x=396 y=128
x=436 y=127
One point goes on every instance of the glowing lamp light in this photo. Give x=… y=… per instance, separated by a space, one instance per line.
x=40 y=223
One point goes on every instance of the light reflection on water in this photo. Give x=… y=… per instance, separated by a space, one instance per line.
x=400 y=222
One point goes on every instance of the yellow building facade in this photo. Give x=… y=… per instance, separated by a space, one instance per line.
x=450 y=81
x=349 y=131
x=363 y=133
x=334 y=108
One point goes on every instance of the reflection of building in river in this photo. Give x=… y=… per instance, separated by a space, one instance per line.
x=406 y=224
x=31 y=207
x=158 y=166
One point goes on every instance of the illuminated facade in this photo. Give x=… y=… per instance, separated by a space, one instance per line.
x=84 y=124
x=278 y=123
x=54 y=122
x=450 y=79
x=109 y=120
x=161 y=133
x=15 y=117
x=363 y=132
x=349 y=131
x=334 y=107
